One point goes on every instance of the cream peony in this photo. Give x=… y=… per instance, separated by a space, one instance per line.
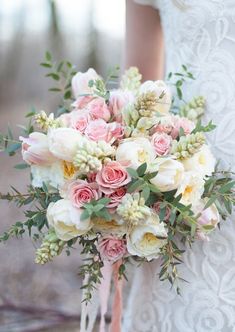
x=63 y=143
x=135 y=152
x=80 y=82
x=170 y=173
x=147 y=240
x=208 y=217
x=65 y=219
x=191 y=188
x=162 y=92
x=203 y=162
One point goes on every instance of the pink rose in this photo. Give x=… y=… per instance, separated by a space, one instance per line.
x=115 y=131
x=183 y=123
x=79 y=120
x=81 y=192
x=35 y=150
x=116 y=198
x=97 y=130
x=80 y=82
x=157 y=207
x=111 y=177
x=165 y=125
x=161 y=143
x=111 y=248
x=98 y=109
x=117 y=101
x=82 y=102
x=91 y=177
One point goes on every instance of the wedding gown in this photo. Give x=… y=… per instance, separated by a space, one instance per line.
x=201 y=35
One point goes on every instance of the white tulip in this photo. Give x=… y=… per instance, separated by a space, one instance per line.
x=63 y=143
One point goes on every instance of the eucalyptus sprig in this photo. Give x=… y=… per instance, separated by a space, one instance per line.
x=96 y=209
x=177 y=79
x=62 y=73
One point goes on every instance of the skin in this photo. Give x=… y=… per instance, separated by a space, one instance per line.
x=144 y=40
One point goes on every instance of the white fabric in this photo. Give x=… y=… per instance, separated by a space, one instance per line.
x=199 y=34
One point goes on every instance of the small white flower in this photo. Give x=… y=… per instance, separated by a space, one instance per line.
x=147 y=240
x=191 y=188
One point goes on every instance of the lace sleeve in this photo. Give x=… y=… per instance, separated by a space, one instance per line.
x=153 y=3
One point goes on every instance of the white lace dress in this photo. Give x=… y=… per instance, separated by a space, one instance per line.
x=200 y=34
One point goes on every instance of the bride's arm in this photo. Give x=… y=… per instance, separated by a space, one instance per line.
x=144 y=40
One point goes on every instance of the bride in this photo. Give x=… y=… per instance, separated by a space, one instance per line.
x=200 y=35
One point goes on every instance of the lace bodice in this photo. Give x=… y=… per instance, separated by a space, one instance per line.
x=199 y=34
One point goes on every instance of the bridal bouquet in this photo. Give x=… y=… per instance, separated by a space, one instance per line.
x=125 y=172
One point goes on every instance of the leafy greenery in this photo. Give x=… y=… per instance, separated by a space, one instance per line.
x=62 y=73
x=96 y=209
x=91 y=269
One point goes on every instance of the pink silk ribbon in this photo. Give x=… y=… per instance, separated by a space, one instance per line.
x=104 y=291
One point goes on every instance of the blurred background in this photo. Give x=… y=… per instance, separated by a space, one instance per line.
x=89 y=33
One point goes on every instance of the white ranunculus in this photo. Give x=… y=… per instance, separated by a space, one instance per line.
x=63 y=143
x=52 y=175
x=170 y=173
x=147 y=240
x=203 y=162
x=191 y=188
x=135 y=151
x=161 y=90
x=65 y=219
x=80 y=82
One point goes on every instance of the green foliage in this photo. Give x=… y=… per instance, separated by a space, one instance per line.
x=62 y=73
x=200 y=128
x=39 y=198
x=96 y=209
x=178 y=79
x=91 y=269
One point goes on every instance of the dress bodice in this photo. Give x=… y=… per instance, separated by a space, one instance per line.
x=201 y=35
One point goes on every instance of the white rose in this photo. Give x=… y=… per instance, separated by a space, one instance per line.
x=146 y=240
x=191 y=188
x=63 y=143
x=203 y=162
x=135 y=151
x=80 y=82
x=65 y=219
x=52 y=175
x=170 y=173
x=161 y=90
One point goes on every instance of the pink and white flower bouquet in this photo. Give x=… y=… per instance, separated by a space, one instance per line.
x=126 y=173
